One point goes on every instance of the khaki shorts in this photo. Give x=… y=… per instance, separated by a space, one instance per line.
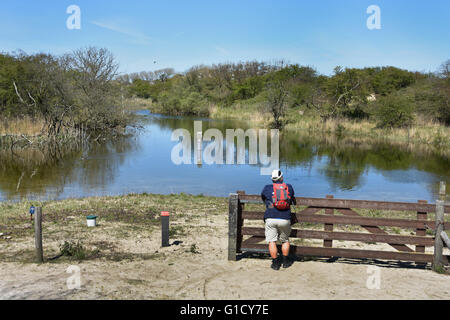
x=278 y=229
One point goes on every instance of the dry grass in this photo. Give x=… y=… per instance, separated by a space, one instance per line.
x=134 y=210
x=249 y=112
x=21 y=126
x=134 y=104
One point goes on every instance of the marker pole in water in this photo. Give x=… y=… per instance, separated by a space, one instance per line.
x=165 y=228
x=199 y=148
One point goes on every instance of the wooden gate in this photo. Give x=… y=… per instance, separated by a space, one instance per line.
x=338 y=212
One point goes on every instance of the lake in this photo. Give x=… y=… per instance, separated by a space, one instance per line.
x=314 y=165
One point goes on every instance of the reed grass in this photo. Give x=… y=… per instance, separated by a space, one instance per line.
x=135 y=104
x=236 y=112
x=27 y=126
x=251 y=110
x=422 y=132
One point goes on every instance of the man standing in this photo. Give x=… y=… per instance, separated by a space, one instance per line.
x=278 y=198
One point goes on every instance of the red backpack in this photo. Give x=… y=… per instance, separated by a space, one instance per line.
x=281 y=198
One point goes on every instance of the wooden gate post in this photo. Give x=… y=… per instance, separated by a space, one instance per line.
x=240 y=223
x=438 y=243
x=38 y=235
x=328 y=227
x=233 y=207
x=421 y=232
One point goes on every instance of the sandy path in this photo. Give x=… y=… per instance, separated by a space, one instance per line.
x=183 y=275
x=241 y=280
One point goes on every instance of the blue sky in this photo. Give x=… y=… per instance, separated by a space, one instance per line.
x=414 y=34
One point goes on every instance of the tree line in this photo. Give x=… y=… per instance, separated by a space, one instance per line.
x=82 y=91
x=388 y=95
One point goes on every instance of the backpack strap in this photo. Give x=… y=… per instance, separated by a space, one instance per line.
x=274 y=193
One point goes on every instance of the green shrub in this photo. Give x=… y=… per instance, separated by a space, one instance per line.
x=194 y=104
x=394 y=111
x=182 y=100
x=193 y=249
x=74 y=250
x=431 y=96
x=141 y=88
x=389 y=79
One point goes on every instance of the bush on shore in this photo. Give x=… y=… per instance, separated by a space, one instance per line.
x=394 y=111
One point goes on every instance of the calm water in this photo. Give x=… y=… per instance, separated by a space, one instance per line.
x=315 y=166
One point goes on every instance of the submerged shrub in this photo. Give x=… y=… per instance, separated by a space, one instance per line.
x=340 y=130
x=439 y=140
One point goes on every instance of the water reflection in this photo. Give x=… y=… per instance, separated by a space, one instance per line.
x=348 y=163
x=315 y=165
x=49 y=173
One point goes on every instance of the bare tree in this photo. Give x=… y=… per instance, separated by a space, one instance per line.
x=444 y=70
x=277 y=96
x=93 y=71
x=164 y=74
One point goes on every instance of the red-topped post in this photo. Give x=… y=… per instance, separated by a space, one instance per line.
x=165 y=228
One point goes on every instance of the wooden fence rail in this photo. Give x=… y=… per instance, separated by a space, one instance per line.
x=355 y=204
x=341 y=212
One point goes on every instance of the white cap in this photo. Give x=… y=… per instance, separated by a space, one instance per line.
x=277 y=175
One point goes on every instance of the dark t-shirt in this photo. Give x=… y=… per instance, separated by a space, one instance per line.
x=272 y=212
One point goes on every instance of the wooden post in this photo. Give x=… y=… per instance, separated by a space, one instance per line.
x=233 y=207
x=328 y=227
x=421 y=232
x=38 y=235
x=438 y=243
x=165 y=229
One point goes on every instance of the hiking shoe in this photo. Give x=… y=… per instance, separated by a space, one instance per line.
x=287 y=262
x=275 y=264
